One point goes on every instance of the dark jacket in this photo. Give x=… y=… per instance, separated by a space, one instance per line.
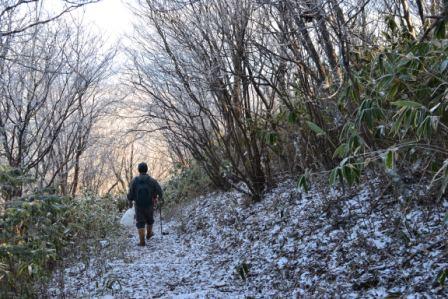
x=151 y=187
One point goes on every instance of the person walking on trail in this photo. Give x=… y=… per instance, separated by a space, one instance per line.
x=144 y=190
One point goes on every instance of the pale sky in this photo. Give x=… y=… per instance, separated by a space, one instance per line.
x=111 y=17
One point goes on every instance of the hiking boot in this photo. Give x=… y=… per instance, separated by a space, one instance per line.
x=141 y=235
x=149 y=232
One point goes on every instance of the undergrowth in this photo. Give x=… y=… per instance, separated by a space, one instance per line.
x=39 y=231
x=400 y=125
x=185 y=184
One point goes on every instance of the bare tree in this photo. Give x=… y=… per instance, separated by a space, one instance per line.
x=50 y=100
x=18 y=16
x=219 y=78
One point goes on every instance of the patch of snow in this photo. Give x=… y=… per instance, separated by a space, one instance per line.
x=282 y=262
x=104 y=243
x=320 y=244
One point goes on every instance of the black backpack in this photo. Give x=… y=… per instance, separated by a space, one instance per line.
x=143 y=192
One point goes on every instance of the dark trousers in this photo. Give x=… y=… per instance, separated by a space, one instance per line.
x=144 y=215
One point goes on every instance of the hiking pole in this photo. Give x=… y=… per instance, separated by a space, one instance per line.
x=160 y=216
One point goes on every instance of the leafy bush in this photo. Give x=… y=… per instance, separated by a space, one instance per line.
x=37 y=231
x=11 y=180
x=188 y=183
x=121 y=203
x=400 y=124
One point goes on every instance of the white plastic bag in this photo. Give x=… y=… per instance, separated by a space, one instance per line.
x=128 y=218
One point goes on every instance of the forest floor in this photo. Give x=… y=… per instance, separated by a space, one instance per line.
x=321 y=244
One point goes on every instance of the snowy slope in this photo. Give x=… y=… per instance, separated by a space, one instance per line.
x=288 y=245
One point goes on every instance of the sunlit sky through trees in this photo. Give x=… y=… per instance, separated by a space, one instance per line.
x=112 y=18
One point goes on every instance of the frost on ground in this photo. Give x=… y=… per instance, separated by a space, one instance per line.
x=361 y=244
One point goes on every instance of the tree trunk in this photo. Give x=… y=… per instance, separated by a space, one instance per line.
x=76 y=172
x=407 y=17
x=328 y=45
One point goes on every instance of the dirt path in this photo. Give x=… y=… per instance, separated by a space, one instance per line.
x=167 y=267
x=290 y=245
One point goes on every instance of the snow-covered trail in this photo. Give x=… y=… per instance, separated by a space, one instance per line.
x=290 y=245
x=167 y=267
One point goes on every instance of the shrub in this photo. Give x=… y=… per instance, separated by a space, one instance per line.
x=400 y=124
x=11 y=181
x=37 y=231
x=188 y=183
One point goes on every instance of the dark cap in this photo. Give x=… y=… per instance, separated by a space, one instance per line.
x=142 y=167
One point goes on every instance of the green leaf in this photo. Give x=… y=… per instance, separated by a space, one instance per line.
x=292 y=117
x=407 y=104
x=444 y=66
x=423 y=129
x=348 y=174
x=356 y=173
x=272 y=138
x=389 y=159
x=394 y=89
x=442 y=276
x=315 y=128
x=303 y=183
x=340 y=175
x=440 y=30
x=333 y=176
x=341 y=151
x=442 y=175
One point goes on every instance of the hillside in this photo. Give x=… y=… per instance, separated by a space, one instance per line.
x=320 y=244
x=300 y=148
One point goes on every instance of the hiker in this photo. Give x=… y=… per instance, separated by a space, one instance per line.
x=143 y=190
